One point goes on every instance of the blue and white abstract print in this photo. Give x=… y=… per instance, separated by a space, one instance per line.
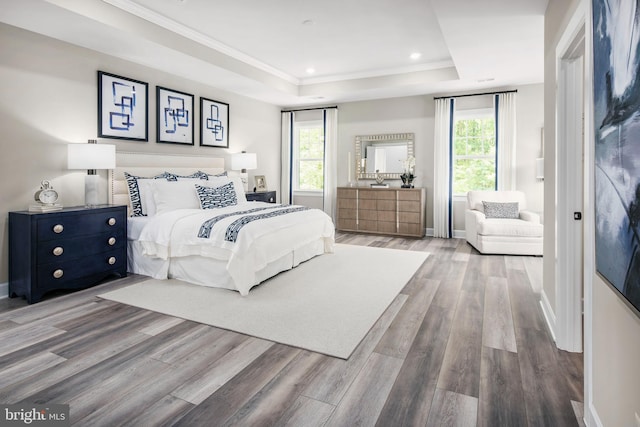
x=616 y=85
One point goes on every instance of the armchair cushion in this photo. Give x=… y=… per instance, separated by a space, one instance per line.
x=500 y=209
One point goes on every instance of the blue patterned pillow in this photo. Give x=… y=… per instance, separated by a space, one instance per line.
x=218 y=197
x=198 y=175
x=137 y=207
x=501 y=210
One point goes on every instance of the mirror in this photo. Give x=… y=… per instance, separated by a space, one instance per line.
x=384 y=153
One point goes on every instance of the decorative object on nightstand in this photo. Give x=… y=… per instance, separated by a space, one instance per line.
x=91 y=156
x=261 y=184
x=46 y=197
x=262 y=196
x=72 y=248
x=244 y=161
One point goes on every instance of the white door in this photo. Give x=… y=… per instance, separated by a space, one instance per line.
x=569 y=200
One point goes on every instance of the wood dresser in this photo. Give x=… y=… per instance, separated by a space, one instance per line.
x=395 y=211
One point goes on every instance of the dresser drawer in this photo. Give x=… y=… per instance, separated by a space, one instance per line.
x=66 y=249
x=57 y=274
x=63 y=226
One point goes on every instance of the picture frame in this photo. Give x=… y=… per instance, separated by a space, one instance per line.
x=616 y=154
x=214 y=123
x=123 y=107
x=174 y=116
x=261 y=183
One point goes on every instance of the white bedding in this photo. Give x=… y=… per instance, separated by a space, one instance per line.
x=281 y=241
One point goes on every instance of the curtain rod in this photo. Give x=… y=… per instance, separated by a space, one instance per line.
x=475 y=94
x=309 y=109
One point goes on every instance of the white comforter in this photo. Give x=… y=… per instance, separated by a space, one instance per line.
x=175 y=234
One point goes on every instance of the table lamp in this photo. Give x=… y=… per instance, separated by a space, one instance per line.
x=91 y=156
x=244 y=161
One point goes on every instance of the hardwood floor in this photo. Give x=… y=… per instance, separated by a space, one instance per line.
x=464 y=344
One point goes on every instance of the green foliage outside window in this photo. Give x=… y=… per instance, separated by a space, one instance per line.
x=474 y=155
x=311 y=158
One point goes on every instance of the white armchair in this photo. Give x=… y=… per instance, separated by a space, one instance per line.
x=505 y=228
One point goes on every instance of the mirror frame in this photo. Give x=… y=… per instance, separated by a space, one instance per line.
x=361 y=141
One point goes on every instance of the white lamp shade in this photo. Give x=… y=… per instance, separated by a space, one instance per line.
x=91 y=156
x=241 y=161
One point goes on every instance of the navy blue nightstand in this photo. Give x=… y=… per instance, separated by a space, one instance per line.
x=72 y=248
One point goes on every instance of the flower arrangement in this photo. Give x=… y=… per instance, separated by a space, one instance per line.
x=408 y=175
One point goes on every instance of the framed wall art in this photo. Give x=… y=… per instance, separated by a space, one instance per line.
x=174 y=118
x=123 y=111
x=616 y=96
x=214 y=123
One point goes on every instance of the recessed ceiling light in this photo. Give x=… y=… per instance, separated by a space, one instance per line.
x=415 y=55
x=310 y=70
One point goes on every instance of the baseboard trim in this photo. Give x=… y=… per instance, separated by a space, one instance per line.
x=4 y=290
x=591 y=418
x=457 y=234
x=549 y=315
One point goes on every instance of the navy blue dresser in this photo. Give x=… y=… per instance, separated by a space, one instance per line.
x=72 y=248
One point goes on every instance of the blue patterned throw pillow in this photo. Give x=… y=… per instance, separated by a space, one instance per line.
x=501 y=210
x=218 y=197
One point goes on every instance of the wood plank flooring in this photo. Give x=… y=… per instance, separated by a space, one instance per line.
x=464 y=344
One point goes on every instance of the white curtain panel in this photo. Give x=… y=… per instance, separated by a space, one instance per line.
x=442 y=168
x=286 y=147
x=506 y=132
x=330 y=160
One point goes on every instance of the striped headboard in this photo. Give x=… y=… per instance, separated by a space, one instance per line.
x=144 y=164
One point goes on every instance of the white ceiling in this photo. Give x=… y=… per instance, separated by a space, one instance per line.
x=359 y=49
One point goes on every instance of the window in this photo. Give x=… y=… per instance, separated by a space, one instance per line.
x=474 y=151
x=308 y=156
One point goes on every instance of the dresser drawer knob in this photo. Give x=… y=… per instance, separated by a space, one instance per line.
x=58 y=273
x=112 y=260
x=57 y=251
x=112 y=241
x=58 y=228
x=112 y=221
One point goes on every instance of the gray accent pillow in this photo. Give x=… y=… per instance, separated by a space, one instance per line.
x=501 y=210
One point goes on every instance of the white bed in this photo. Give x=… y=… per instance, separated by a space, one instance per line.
x=165 y=245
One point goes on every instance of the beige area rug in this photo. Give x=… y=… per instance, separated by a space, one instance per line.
x=327 y=304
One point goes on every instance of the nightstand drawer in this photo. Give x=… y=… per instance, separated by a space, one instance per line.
x=67 y=249
x=264 y=196
x=63 y=226
x=57 y=274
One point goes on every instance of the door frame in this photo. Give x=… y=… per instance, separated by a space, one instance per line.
x=571 y=146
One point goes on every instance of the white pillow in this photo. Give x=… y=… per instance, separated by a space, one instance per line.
x=145 y=189
x=238 y=186
x=172 y=195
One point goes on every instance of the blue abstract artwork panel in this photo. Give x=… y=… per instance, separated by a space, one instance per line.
x=214 y=123
x=175 y=116
x=122 y=107
x=616 y=86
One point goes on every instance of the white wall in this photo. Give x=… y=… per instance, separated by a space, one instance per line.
x=416 y=114
x=49 y=99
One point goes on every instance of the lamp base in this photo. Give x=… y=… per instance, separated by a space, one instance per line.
x=245 y=180
x=91 y=188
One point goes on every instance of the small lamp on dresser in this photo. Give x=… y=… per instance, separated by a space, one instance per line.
x=244 y=161
x=91 y=156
